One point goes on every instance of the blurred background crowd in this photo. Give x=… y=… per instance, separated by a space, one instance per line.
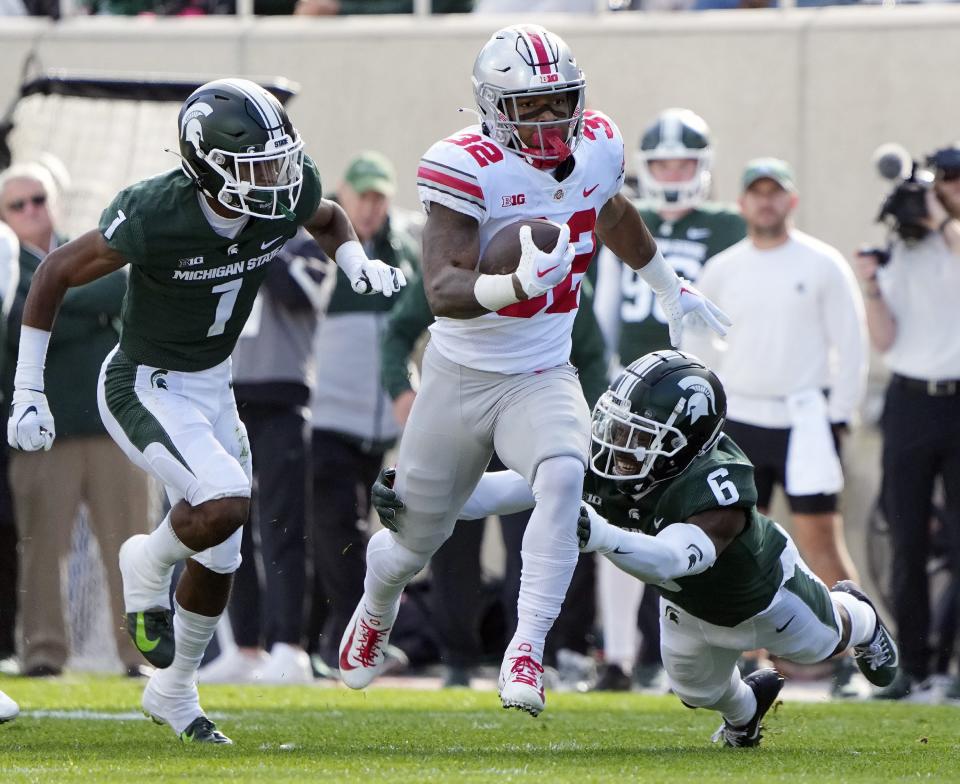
x=325 y=380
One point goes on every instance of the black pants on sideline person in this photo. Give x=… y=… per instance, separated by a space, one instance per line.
x=267 y=604
x=343 y=474
x=921 y=439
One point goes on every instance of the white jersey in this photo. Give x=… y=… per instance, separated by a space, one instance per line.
x=473 y=174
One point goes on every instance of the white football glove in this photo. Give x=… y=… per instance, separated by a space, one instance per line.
x=683 y=299
x=538 y=271
x=375 y=277
x=30 y=426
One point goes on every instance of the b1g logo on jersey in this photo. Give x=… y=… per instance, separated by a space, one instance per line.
x=190 y=261
x=514 y=201
x=703 y=401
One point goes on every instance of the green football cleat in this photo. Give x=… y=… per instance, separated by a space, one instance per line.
x=152 y=633
x=202 y=730
x=877 y=659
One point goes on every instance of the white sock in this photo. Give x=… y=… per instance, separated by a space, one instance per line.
x=176 y=686
x=164 y=548
x=192 y=633
x=738 y=703
x=390 y=566
x=549 y=550
x=863 y=619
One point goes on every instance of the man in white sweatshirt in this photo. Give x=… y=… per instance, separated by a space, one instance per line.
x=795 y=362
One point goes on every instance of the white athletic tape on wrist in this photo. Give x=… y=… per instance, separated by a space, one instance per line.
x=495 y=291
x=31 y=358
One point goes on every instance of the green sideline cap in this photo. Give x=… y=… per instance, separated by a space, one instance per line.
x=371 y=171
x=769 y=169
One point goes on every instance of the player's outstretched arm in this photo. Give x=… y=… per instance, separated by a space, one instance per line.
x=87 y=258
x=679 y=550
x=332 y=229
x=621 y=228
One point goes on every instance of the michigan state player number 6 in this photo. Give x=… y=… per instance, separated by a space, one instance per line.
x=725 y=491
x=228 y=292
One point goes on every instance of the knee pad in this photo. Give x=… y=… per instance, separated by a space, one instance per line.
x=223 y=558
x=559 y=480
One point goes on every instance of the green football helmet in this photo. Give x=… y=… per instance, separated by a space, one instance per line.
x=239 y=146
x=676 y=133
x=662 y=412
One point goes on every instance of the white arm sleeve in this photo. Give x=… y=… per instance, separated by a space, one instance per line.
x=606 y=298
x=679 y=550
x=498 y=493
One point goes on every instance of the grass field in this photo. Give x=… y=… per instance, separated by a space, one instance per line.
x=84 y=728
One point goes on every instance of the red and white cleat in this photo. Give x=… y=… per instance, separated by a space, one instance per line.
x=521 y=680
x=363 y=645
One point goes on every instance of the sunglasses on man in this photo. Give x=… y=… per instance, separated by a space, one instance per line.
x=20 y=204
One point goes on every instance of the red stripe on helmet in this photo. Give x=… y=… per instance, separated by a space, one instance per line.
x=543 y=59
x=451 y=182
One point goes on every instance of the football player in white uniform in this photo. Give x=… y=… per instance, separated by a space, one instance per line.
x=496 y=374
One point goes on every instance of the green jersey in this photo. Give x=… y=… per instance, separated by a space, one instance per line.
x=747 y=574
x=191 y=289
x=686 y=244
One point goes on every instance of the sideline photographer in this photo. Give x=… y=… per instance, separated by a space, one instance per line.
x=912 y=292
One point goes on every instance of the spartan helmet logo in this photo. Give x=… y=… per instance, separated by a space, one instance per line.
x=190 y=128
x=703 y=401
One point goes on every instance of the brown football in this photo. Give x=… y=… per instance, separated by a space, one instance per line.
x=502 y=254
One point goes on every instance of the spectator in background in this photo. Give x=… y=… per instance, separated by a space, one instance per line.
x=674 y=165
x=455 y=567
x=911 y=306
x=84 y=466
x=273 y=376
x=9 y=275
x=353 y=424
x=794 y=365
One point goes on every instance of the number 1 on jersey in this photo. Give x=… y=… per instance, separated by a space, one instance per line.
x=228 y=292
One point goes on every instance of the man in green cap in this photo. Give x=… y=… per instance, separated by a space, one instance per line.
x=794 y=364
x=352 y=415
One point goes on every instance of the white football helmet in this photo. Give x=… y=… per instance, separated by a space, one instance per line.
x=676 y=133
x=522 y=61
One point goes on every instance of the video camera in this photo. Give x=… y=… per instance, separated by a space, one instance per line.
x=905 y=207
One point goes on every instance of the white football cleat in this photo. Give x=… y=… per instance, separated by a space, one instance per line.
x=285 y=664
x=521 y=680
x=363 y=645
x=144 y=586
x=9 y=710
x=170 y=703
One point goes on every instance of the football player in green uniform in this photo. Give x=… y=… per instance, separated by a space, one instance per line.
x=673 y=172
x=198 y=241
x=673 y=165
x=671 y=500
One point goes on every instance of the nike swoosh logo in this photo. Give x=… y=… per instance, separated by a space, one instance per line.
x=345 y=654
x=588 y=191
x=541 y=273
x=30 y=410
x=657 y=522
x=781 y=628
x=265 y=245
x=144 y=643
x=618 y=551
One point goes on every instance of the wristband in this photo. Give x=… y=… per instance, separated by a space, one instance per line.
x=495 y=291
x=31 y=358
x=659 y=275
x=350 y=257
